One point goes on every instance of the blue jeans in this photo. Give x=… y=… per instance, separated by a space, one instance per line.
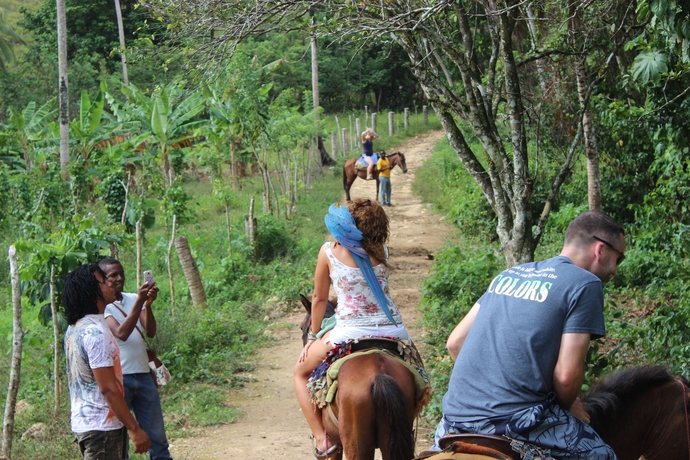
x=385 y=183
x=142 y=398
x=103 y=445
x=545 y=425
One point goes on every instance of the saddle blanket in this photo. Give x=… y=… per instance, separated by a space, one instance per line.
x=323 y=382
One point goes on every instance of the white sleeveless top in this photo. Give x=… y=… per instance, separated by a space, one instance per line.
x=357 y=305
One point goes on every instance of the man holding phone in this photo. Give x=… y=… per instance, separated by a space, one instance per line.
x=129 y=317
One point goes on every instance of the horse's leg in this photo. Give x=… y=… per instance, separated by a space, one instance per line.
x=347 y=183
x=377 y=187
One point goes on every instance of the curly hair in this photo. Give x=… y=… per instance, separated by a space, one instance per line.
x=372 y=221
x=81 y=292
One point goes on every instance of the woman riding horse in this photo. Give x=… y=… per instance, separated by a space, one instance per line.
x=357 y=265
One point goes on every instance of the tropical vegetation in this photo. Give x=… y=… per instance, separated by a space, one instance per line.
x=550 y=108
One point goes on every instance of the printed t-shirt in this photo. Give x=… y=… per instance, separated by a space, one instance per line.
x=89 y=344
x=507 y=360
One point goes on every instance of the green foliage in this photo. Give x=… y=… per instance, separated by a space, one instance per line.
x=272 y=238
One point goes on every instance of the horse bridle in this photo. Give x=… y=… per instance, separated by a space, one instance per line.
x=685 y=407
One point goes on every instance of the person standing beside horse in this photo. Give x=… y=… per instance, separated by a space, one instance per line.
x=357 y=266
x=383 y=166
x=368 y=136
x=520 y=351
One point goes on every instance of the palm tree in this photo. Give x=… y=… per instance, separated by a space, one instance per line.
x=8 y=38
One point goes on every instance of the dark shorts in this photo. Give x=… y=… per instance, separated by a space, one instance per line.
x=104 y=445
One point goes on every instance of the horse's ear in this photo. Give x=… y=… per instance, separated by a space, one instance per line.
x=306 y=302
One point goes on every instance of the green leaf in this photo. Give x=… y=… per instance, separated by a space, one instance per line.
x=649 y=66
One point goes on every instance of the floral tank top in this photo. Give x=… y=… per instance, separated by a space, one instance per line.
x=357 y=305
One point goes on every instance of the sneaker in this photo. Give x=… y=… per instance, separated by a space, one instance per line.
x=391 y=205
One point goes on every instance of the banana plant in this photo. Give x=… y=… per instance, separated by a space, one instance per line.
x=168 y=119
x=30 y=128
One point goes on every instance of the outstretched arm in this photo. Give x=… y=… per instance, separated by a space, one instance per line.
x=123 y=330
x=459 y=334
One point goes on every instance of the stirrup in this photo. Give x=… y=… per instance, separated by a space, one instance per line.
x=324 y=455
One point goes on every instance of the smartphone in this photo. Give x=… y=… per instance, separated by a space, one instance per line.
x=148 y=276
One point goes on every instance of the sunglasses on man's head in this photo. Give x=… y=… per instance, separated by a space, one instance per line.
x=621 y=254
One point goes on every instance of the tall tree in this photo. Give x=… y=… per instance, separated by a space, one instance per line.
x=493 y=88
x=63 y=95
x=121 y=36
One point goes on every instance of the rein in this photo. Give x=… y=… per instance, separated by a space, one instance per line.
x=685 y=407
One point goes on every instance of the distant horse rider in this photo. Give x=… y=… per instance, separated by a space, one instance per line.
x=368 y=137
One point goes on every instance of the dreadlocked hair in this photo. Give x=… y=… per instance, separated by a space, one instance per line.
x=81 y=291
x=372 y=221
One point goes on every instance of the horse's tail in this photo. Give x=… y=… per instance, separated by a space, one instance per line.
x=392 y=424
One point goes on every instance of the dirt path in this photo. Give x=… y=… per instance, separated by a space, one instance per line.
x=273 y=426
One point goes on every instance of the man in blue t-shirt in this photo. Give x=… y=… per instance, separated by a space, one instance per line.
x=520 y=351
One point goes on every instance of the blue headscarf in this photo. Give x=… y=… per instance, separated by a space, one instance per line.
x=344 y=229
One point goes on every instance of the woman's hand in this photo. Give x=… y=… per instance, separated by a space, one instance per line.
x=305 y=352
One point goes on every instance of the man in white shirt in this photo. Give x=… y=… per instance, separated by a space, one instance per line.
x=129 y=317
x=100 y=418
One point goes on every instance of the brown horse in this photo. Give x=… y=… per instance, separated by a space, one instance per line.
x=374 y=407
x=642 y=411
x=350 y=173
x=639 y=412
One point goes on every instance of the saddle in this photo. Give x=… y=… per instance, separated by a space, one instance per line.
x=472 y=446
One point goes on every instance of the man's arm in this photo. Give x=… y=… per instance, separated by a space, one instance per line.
x=148 y=321
x=459 y=334
x=123 y=330
x=108 y=385
x=570 y=372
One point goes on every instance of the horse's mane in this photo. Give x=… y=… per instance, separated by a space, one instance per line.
x=608 y=400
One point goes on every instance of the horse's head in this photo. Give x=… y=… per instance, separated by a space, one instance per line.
x=398 y=158
x=306 y=322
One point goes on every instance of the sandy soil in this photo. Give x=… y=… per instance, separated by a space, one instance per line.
x=272 y=426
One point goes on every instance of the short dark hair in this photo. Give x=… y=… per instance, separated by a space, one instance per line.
x=581 y=229
x=108 y=261
x=81 y=292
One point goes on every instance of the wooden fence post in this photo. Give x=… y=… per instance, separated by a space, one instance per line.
x=373 y=121
x=339 y=130
x=334 y=144
x=391 y=130
x=346 y=142
x=425 y=114
x=358 y=127
x=407 y=118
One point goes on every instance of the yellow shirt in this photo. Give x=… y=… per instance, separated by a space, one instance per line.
x=383 y=163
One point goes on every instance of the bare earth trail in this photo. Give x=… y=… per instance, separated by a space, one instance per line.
x=272 y=426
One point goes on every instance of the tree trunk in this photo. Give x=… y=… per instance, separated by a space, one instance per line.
x=583 y=91
x=191 y=273
x=121 y=34
x=167 y=261
x=16 y=360
x=56 y=343
x=63 y=88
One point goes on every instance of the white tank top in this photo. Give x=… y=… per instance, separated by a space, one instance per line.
x=357 y=305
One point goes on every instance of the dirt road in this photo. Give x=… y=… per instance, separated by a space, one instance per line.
x=273 y=426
